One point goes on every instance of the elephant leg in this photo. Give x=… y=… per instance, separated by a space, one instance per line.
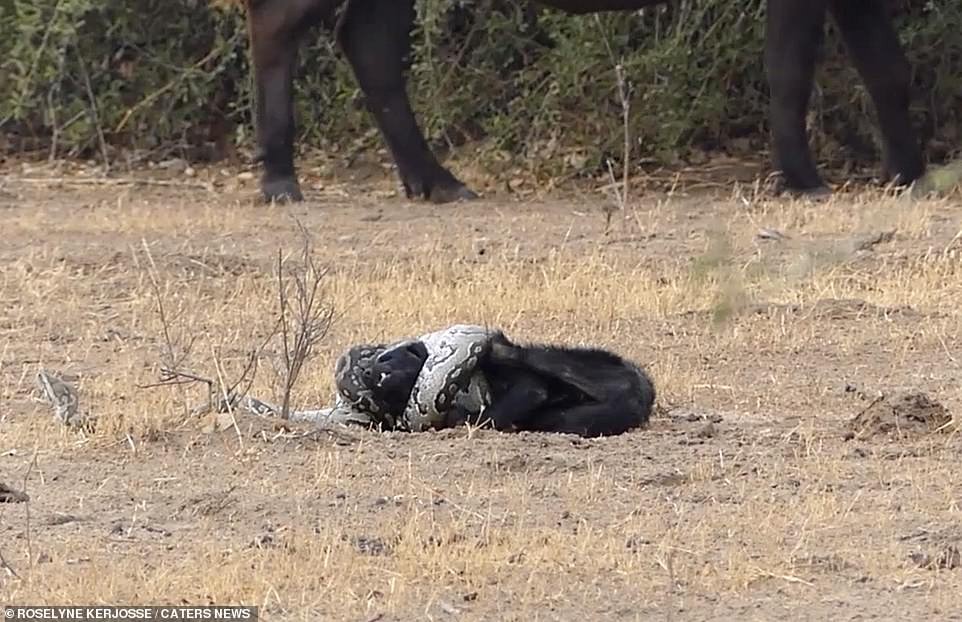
x=375 y=36
x=793 y=39
x=875 y=50
x=275 y=28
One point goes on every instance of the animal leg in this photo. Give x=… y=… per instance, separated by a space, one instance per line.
x=875 y=50
x=275 y=27
x=793 y=38
x=522 y=395
x=375 y=36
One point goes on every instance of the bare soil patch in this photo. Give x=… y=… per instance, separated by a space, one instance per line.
x=741 y=500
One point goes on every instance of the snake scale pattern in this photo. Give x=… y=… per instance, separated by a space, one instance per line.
x=449 y=382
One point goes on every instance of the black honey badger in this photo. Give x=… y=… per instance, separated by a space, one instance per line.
x=535 y=387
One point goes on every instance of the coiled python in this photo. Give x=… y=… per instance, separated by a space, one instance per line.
x=449 y=385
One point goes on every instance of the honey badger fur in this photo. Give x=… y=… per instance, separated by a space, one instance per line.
x=470 y=374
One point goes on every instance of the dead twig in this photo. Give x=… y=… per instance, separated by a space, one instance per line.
x=172 y=374
x=304 y=318
x=172 y=377
x=784 y=577
x=173 y=356
x=6 y=566
x=250 y=370
x=26 y=509
x=303 y=321
x=668 y=565
x=228 y=400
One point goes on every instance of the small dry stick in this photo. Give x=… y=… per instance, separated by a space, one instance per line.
x=249 y=372
x=303 y=322
x=173 y=377
x=670 y=569
x=171 y=358
x=170 y=372
x=174 y=356
x=26 y=509
x=6 y=566
x=784 y=577
x=228 y=401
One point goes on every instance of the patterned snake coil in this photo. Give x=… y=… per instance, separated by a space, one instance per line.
x=449 y=382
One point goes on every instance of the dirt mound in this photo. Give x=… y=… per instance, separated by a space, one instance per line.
x=948 y=558
x=902 y=415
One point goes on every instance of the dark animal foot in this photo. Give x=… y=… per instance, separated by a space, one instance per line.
x=281 y=190
x=817 y=194
x=452 y=194
x=902 y=176
x=443 y=188
x=816 y=191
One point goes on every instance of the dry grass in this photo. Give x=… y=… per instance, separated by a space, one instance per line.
x=768 y=514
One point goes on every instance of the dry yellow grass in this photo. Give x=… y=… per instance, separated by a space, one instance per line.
x=769 y=515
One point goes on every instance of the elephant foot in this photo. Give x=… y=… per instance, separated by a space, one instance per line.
x=438 y=187
x=281 y=190
x=452 y=194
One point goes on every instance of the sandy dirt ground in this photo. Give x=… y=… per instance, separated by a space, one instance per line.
x=782 y=476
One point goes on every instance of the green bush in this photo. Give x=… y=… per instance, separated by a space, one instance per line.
x=154 y=77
